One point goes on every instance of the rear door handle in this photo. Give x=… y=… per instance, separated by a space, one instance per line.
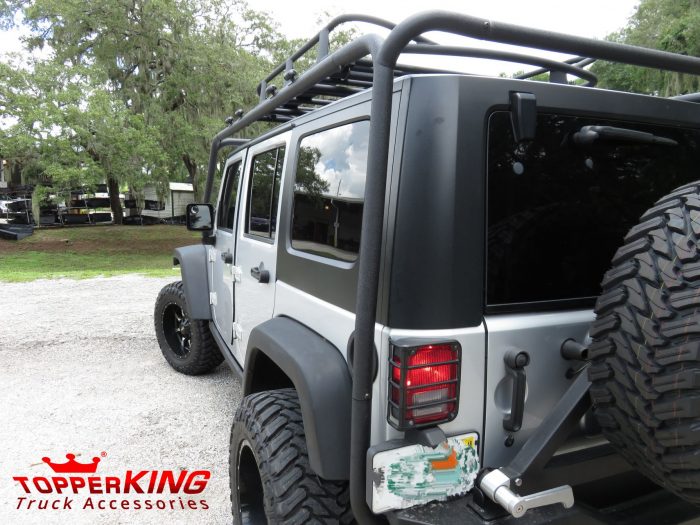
x=515 y=365
x=260 y=273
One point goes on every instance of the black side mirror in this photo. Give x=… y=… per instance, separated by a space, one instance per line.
x=200 y=217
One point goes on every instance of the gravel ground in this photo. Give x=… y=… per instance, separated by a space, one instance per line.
x=81 y=372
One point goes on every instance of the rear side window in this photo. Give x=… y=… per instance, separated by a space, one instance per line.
x=264 y=193
x=329 y=190
x=558 y=210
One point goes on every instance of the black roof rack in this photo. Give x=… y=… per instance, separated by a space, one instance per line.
x=357 y=76
x=349 y=71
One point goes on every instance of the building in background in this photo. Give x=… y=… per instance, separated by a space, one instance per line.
x=152 y=207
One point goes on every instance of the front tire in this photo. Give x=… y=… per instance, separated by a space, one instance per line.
x=187 y=344
x=269 y=472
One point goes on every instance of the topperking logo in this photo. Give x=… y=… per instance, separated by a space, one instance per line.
x=75 y=485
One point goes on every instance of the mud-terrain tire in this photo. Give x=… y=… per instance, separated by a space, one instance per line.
x=645 y=355
x=269 y=470
x=187 y=344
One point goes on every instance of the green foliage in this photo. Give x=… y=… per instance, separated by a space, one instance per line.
x=338 y=37
x=668 y=25
x=80 y=253
x=69 y=131
x=134 y=90
x=41 y=103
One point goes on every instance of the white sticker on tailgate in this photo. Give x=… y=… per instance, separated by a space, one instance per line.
x=414 y=475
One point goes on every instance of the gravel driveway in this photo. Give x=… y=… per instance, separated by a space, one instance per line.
x=81 y=372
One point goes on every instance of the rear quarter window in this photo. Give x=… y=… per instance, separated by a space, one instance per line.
x=329 y=189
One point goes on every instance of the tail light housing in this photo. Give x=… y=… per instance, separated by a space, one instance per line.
x=423 y=384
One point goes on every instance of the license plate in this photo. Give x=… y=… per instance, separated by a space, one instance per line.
x=416 y=474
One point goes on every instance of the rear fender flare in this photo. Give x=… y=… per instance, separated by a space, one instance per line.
x=321 y=378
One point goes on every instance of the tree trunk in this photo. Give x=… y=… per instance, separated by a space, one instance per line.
x=36 y=207
x=114 y=203
x=191 y=166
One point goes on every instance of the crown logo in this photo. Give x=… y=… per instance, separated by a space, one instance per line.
x=72 y=466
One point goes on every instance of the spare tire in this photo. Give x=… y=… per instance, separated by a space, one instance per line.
x=645 y=355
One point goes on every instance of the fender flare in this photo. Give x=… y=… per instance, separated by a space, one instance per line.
x=322 y=380
x=193 y=269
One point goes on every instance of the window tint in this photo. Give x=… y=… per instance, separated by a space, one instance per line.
x=558 y=210
x=329 y=190
x=264 y=193
x=227 y=212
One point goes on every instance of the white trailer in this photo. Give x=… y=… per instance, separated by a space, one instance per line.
x=172 y=204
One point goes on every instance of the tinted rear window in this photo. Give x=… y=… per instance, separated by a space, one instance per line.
x=558 y=210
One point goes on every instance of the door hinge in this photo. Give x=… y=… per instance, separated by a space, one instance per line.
x=212 y=298
x=236 y=273
x=237 y=331
x=211 y=254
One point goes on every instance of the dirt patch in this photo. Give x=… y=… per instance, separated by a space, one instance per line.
x=81 y=372
x=140 y=240
x=136 y=246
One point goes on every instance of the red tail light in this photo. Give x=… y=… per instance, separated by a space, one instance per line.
x=423 y=384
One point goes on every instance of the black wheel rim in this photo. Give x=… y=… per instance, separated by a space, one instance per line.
x=251 y=506
x=177 y=329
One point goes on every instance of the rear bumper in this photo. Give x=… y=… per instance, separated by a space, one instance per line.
x=657 y=507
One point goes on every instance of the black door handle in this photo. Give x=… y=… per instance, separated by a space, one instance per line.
x=260 y=273
x=227 y=257
x=515 y=365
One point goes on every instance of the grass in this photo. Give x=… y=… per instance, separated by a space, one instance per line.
x=83 y=252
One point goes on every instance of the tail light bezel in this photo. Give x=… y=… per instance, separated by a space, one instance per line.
x=398 y=410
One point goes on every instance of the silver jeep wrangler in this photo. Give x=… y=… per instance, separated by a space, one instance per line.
x=406 y=274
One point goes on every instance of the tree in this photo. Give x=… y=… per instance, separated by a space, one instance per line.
x=668 y=25
x=217 y=75
x=121 y=143
x=38 y=102
x=69 y=132
x=181 y=66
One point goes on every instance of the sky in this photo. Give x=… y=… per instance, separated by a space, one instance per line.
x=590 y=18
x=593 y=18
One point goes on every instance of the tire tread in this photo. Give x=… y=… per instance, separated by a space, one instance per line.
x=645 y=355
x=205 y=354
x=271 y=421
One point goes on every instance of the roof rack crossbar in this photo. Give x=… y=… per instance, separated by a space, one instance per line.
x=475 y=52
x=579 y=62
x=482 y=29
x=322 y=38
x=365 y=66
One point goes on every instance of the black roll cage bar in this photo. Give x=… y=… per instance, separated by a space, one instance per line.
x=385 y=54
